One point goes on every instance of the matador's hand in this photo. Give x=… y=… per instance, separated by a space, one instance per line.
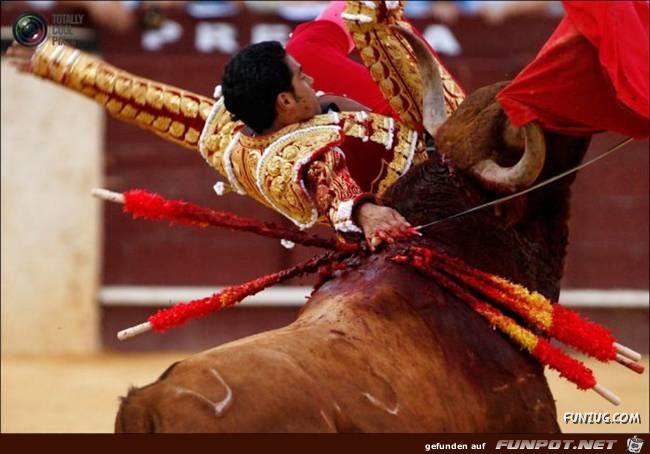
x=20 y=57
x=382 y=224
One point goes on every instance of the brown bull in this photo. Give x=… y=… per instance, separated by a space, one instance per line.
x=380 y=348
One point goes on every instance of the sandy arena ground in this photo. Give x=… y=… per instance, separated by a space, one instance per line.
x=80 y=394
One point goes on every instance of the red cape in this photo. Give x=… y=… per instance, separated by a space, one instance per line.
x=591 y=75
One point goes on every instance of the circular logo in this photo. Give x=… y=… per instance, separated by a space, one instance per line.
x=29 y=29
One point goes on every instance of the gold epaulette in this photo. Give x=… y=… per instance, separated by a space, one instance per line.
x=390 y=59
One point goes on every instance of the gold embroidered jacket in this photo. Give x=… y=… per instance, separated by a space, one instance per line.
x=311 y=171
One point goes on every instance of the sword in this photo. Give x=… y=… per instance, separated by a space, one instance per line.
x=530 y=189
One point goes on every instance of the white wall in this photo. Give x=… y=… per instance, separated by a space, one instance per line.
x=51 y=226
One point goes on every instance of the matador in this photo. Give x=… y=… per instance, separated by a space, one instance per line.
x=328 y=157
x=365 y=131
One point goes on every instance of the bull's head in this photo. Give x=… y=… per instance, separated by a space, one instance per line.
x=478 y=137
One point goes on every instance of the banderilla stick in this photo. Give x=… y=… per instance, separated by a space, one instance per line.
x=627 y=352
x=152 y=206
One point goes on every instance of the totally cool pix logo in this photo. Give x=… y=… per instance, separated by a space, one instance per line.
x=29 y=29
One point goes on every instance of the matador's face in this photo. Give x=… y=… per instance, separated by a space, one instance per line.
x=306 y=103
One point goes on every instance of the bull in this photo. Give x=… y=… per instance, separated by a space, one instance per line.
x=380 y=348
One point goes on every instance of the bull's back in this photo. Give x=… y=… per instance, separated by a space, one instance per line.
x=355 y=361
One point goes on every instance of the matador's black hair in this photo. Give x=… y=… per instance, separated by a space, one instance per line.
x=252 y=81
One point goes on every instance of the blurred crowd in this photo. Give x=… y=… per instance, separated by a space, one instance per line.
x=120 y=16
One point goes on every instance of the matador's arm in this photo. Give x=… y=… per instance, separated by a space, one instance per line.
x=337 y=194
x=315 y=186
x=170 y=112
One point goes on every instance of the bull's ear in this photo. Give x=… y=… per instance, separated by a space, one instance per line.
x=433 y=98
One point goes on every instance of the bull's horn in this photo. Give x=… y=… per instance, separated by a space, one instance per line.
x=522 y=174
x=433 y=102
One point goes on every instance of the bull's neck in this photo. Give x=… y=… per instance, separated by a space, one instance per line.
x=530 y=252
